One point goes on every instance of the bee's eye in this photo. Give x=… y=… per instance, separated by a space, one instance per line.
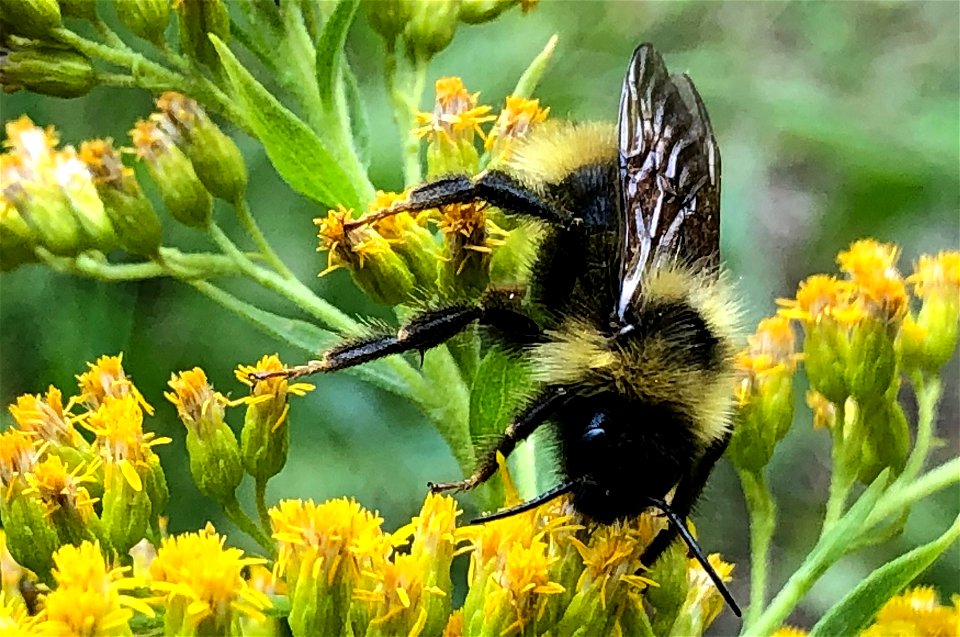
x=595 y=430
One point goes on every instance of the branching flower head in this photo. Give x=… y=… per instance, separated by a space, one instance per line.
x=107 y=378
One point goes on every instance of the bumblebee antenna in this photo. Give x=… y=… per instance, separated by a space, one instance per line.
x=543 y=498
x=697 y=552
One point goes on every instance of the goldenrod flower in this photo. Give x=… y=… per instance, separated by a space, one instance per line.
x=451 y=128
x=469 y=239
x=147 y=19
x=53 y=192
x=215 y=158
x=764 y=393
x=64 y=498
x=18 y=455
x=135 y=489
x=408 y=236
x=265 y=438
x=88 y=599
x=516 y=118
x=214 y=453
x=915 y=613
x=130 y=211
x=824 y=411
x=202 y=584
x=183 y=194
x=322 y=551
x=704 y=602
x=376 y=268
x=107 y=378
x=928 y=340
x=44 y=418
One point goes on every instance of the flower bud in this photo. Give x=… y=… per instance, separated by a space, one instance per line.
x=431 y=27
x=480 y=11
x=131 y=213
x=182 y=191
x=31 y=539
x=46 y=70
x=198 y=19
x=215 y=157
x=31 y=18
x=887 y=439
x=872 y=360
x=409 y=237
x=66 y=502
x=929 y=340
x=389 y=17
x=16 y=238
x=148 y=19
x=517 y=117
x=451 y=129
x=670 y=574
x=214 y=453
x=82 y=9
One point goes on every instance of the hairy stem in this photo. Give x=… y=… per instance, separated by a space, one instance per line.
x=236 y=515
x=840 y=479
x=406 y=90
x=763 y=520
x=260 y=494
x=928 y=397
x=250 y=225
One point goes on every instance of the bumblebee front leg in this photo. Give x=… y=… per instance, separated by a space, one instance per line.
x=498 y=307
x=534 y=415
x=495 y=187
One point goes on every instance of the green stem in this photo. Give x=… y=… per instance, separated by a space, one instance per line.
x=121 y=80
x=260 y=494
x=899 y=497
x=763 y=520
x=236 y=515
x=170 y=262
x=250 y=225
x=405 y=97
x=840 y=479
x=928 y=396
x=110 y=36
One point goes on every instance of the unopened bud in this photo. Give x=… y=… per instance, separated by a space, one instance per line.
x=431 y=27
x=31 y=18
x=198 y=19
x=148 y=19
x=46 y=70
x=480 y=11
x=389 y=17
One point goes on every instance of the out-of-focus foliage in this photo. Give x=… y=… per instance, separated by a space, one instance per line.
x=835 y=121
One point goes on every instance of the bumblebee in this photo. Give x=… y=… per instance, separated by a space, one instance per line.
x=627 y=321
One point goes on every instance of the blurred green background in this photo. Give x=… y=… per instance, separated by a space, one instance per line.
x=836 y=121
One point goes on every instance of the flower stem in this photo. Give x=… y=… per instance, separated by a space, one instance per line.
x=763 y=520
x=244 y=523
x=840 y=480
x=405 y=94
x=250 y=225
x=928 y=396
x=260 y=494
x=900 y=497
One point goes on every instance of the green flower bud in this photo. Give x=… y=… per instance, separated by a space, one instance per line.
x=16 y=238
x=49 y=214
x=148 y=19
x=214 y=453
x=31 y=18
x=431 y=26
x=410 y=238
x=182 y=191
x=83 y=9
x=825 y=355
x=46 y=70
x=887 y=439
x=872 y=360
x=480 y=11
x=215 y=157
x=134 y=220
x=31 y=539
x=126 y=507
x=389 y=17
x=155 y=484
x=929 y=341
x=670 y=574
x=198 y=19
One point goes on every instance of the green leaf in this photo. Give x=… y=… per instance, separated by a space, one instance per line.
x=300 y=157
x=330 y=49
x=855 y=611
x=306 y=336
x=530 y=78
x=496 y=394
x=359 y=120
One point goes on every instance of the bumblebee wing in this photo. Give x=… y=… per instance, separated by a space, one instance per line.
x=669 y=174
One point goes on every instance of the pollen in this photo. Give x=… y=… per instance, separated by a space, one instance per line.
x=149 y=140
x=194 y=397
x=104 y=162
x=122 y=443
x=347 y=246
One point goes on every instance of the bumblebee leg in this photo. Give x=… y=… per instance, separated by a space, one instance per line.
x=546 y=496
x=499 y=307
x=494 y=187
x=534 y=415
x=687 y=492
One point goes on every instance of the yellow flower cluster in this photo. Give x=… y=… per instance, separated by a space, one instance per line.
x=862 y=331
x=391 y=253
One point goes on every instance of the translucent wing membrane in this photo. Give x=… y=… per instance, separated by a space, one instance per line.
x=669 y=174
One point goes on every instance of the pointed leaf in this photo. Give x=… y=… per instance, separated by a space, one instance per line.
x=299 y=156
x=330 y=49
x=855 y=611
